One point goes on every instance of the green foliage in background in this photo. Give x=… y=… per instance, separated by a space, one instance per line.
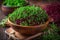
x=14 y=3
x=30 y=14
x=51 y=34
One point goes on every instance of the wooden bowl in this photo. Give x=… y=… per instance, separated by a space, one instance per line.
x=7 y=10
x=29 y=30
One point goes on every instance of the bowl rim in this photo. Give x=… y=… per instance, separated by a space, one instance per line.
x=9 y=6
x=46 y=23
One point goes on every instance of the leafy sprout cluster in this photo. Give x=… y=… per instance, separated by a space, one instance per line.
x=29 y=15
x=3 y=22
x=14 y=3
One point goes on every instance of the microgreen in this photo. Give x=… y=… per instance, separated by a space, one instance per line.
x=29 y=15
x=14 y=3
x=3 y=22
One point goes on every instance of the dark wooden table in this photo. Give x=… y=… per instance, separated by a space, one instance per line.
x=3 y=36
x=2 y=33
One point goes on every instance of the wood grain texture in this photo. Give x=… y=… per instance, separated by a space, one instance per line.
x=3 y=36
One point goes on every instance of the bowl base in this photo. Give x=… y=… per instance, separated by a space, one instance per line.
x=16 y=35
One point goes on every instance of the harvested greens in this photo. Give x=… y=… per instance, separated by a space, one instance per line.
x=29 y=16
x=14 y=3
x=3 y=22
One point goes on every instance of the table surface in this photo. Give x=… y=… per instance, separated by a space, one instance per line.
x=2 y=33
